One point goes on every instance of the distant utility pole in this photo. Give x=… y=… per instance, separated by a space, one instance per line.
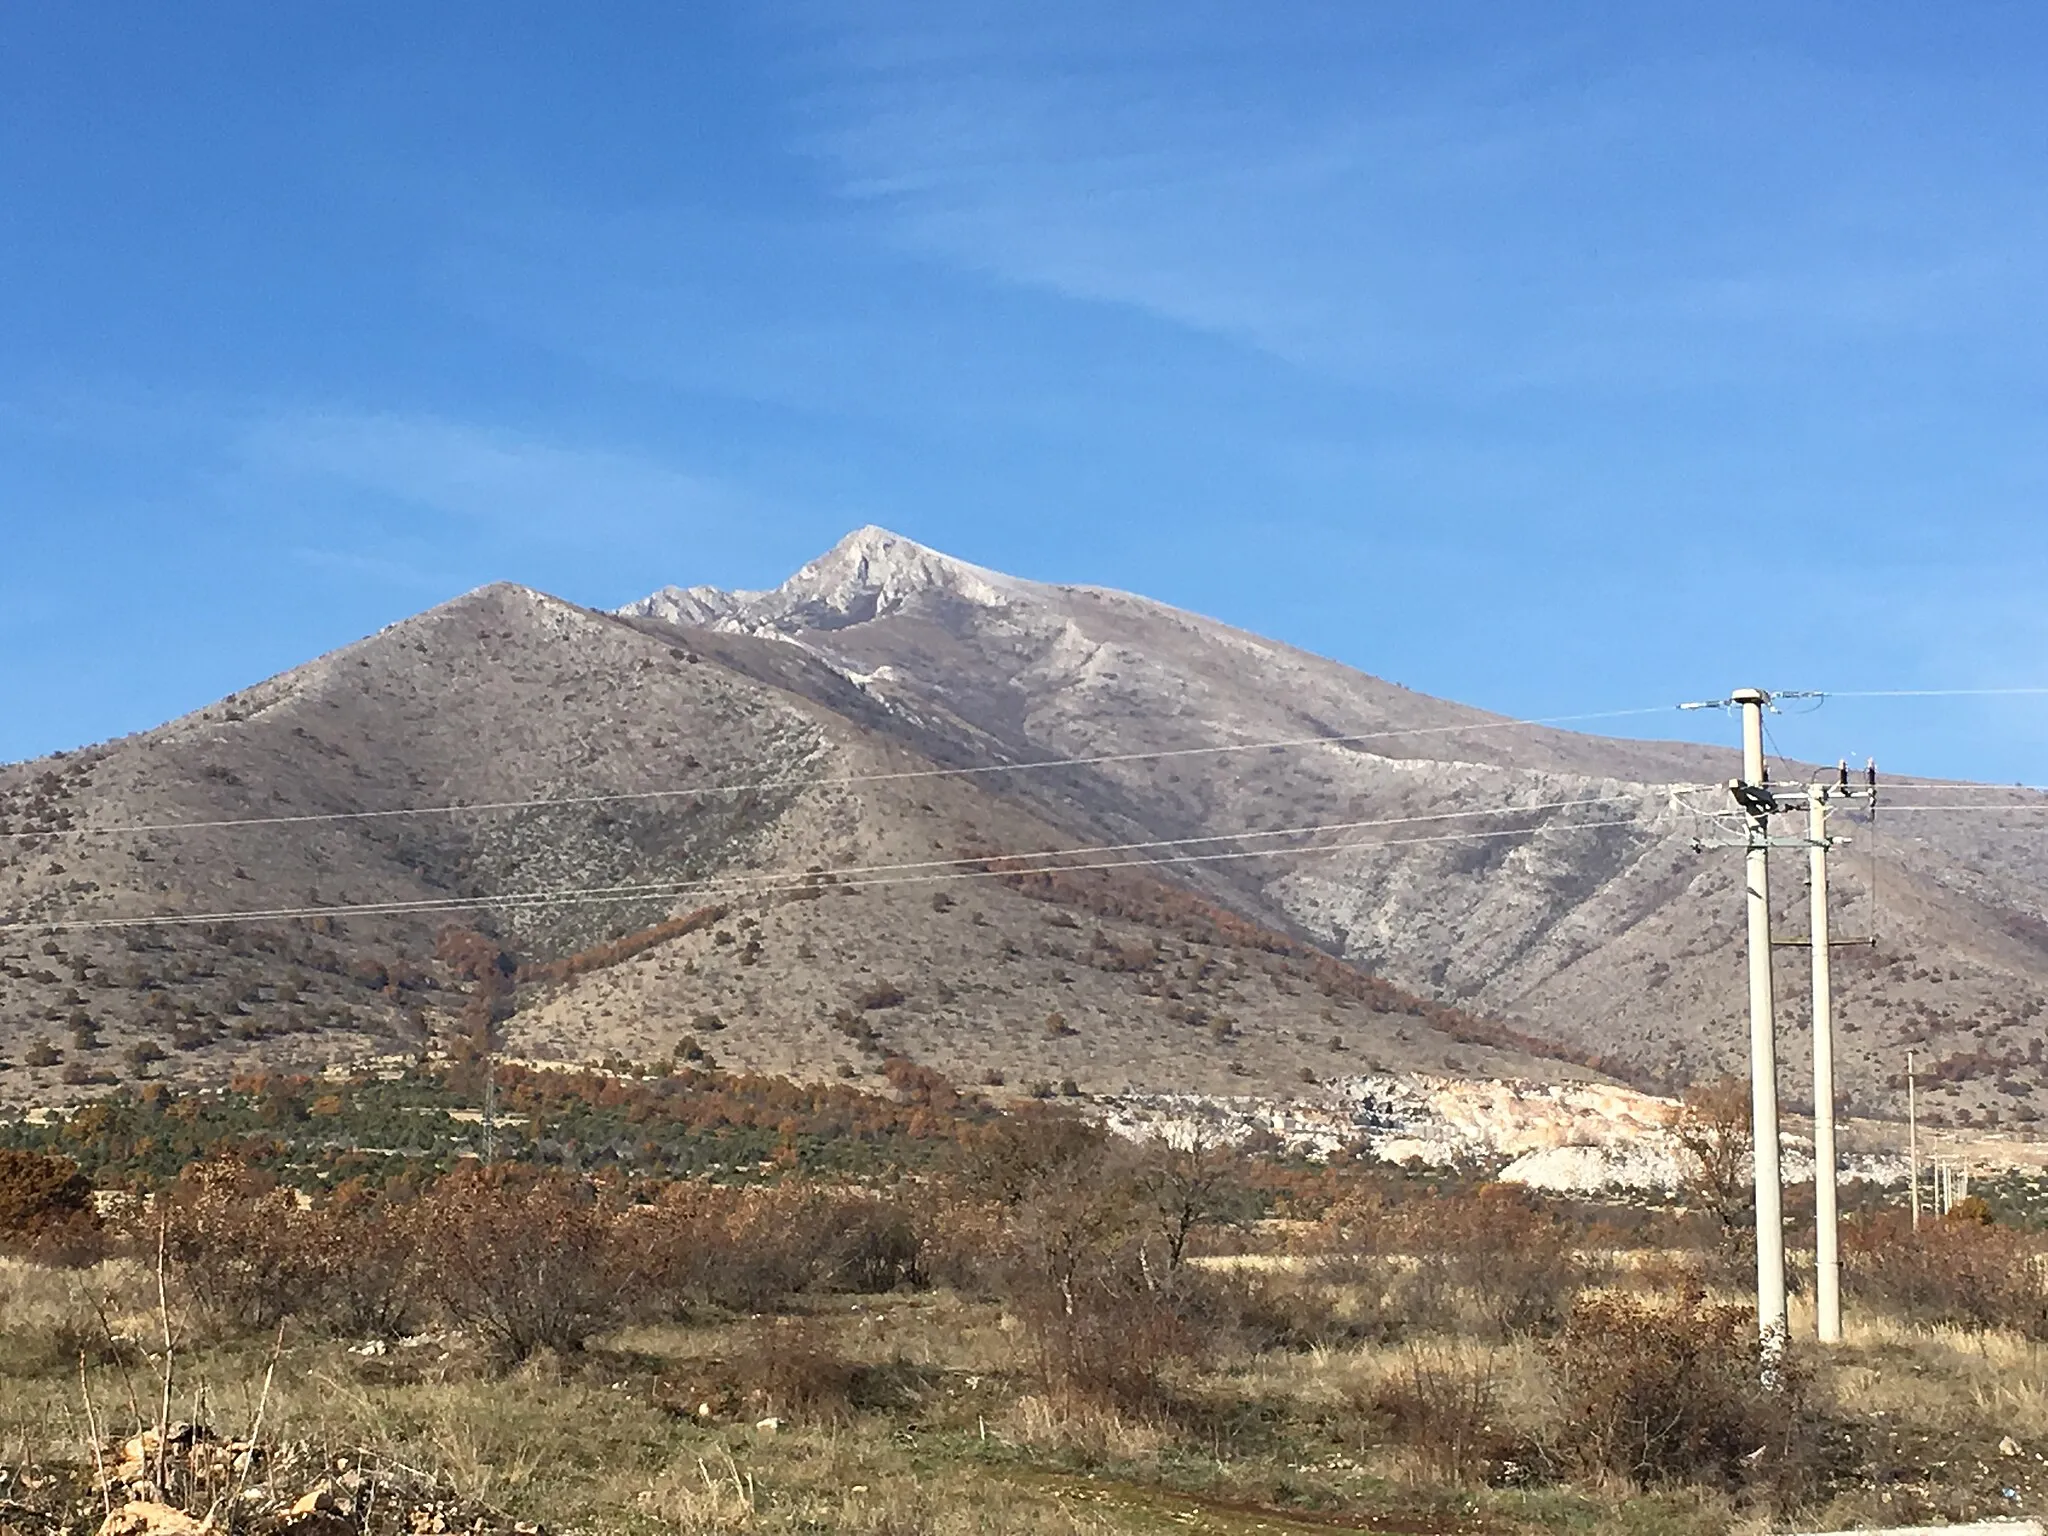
x=1912 y=1141
x=1951 y=1185
x=490 y=1108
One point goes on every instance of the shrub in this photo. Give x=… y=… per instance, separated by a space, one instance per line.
x=786 y=1366
x=1443 y=1406
x=524 y=1259
x=365 y=1261
x=1070 y=1260
x=875 y=1246
x=1515 y=1261
x=234 y=1241
x=747 y=1250
x=1490 y=1258
x=1962 y=1272
x=46 y=1209
x=1711 y=1130
x=1266 y=1312
x=1670 y=1394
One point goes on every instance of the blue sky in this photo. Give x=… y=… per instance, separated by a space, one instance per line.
x=1551 y=358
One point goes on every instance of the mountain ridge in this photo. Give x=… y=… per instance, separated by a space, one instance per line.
x=874 y=710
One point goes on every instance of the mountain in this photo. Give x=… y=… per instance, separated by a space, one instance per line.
x=784 y=828
x=1617 y=941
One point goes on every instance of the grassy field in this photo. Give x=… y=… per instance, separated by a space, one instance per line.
x=926 y=1412
x=711 y=1304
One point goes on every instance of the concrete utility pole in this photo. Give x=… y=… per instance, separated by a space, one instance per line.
x=1753 y=793
x=1827 y=1260
x=1912 y=1141
x=1757 y=802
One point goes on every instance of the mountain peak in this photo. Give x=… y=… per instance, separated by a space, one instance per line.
x=871 y=571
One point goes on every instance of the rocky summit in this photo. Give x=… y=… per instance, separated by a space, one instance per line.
x=903 y=812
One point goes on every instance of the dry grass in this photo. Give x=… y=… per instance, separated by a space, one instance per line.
x=1095 y=1433
x=1943 y=1378
x=933 y=1425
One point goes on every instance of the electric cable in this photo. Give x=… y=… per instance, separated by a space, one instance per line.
x=842 y=781
x=1929 y=693
x=810 y=881
x=861 y=876
x=853 y=871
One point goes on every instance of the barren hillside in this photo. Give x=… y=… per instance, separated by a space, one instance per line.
x=1618 y=939
x=681 y=773
x=1303 y=872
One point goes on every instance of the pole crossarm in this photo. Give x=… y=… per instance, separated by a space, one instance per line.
x=1757 y=697
x=1765 y=800
x=1702 y=844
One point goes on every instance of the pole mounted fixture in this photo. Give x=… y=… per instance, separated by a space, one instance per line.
x=1757 y=696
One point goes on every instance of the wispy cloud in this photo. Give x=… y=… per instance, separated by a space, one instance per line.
x=1422 y=210
x=524 y=486
x=406 y=575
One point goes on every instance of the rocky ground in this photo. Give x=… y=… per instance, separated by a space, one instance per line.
x=1564 y=1137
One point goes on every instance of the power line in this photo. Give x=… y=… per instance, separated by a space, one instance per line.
x=853 y=872
x=810 y=881
x=850 y=780
x=861 y=876
x=1891 y=809
x=843 y=781
x=1821 y=695
x=1960 y=786
x=1928 y=693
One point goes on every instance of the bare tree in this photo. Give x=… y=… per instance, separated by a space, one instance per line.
x=1190 y=1178
x=1712 y=1129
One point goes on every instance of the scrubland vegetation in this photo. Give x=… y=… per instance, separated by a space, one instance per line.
x=981 y=1323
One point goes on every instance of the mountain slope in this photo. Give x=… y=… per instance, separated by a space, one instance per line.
x=677 y=772
x=1619 y=939
x=1312 y=871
